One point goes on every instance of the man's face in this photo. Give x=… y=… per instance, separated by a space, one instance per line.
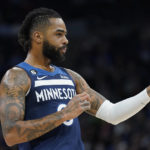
x=55 y=42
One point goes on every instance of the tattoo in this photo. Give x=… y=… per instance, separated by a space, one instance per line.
x=12 y=111
x=82 y=86
x=14 y=86
x=32 y=129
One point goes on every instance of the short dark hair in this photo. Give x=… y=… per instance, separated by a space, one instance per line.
x=34 y=19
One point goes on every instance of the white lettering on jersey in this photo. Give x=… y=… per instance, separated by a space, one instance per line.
x=64 y=77
x=55 y=93
x=39 y=96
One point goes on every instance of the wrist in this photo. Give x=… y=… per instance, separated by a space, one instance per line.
x=66 y=114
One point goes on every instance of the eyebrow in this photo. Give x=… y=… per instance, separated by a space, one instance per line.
x=60 y=30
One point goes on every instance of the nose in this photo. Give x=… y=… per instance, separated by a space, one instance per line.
x=65 y=40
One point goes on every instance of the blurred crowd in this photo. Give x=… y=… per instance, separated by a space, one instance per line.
x=109 y=46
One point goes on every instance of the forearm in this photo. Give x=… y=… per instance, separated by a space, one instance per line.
x=23 y=131
x=118 y=112
x=105 y=110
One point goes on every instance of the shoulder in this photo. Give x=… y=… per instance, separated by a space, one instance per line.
x=16 y=74
x=16 y=77
x=15 y=70
x=81 y=84
x=74 y=75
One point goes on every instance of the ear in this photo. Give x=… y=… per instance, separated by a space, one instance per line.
x=37 y=37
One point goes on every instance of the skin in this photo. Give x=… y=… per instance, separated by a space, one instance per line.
x=16 y=83
x=13 y=90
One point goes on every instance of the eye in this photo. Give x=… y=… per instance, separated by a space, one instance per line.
x=58 y=34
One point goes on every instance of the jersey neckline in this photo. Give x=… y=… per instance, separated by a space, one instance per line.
x=42 y=70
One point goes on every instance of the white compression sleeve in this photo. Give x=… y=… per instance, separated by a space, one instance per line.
x=118 y=112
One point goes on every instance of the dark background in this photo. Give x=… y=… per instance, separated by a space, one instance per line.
x=109 y=46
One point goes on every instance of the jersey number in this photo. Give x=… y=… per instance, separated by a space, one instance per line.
x=68 y=122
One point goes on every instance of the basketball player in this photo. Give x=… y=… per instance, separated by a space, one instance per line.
x=40 y=102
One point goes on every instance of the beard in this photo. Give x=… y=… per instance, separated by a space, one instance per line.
x=53 y=53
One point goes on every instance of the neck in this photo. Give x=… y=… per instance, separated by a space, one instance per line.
x=38 y=60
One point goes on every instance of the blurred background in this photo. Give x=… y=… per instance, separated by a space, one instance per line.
x=109 y=46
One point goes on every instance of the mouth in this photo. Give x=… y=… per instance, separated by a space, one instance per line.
x=63 y=49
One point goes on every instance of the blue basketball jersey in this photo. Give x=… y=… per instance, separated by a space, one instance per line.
x=50 y=92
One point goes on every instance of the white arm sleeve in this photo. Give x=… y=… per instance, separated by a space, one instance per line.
x=118 y=112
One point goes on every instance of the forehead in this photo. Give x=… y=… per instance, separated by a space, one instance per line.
x=57 y=24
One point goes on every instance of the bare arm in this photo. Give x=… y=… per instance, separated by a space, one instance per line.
x=82 y=86
x=13 y=88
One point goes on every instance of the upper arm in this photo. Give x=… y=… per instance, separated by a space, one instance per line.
x=82 y=86
x=13 y=88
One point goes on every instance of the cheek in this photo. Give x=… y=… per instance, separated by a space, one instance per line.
x=55 y=42
x=53 y=39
